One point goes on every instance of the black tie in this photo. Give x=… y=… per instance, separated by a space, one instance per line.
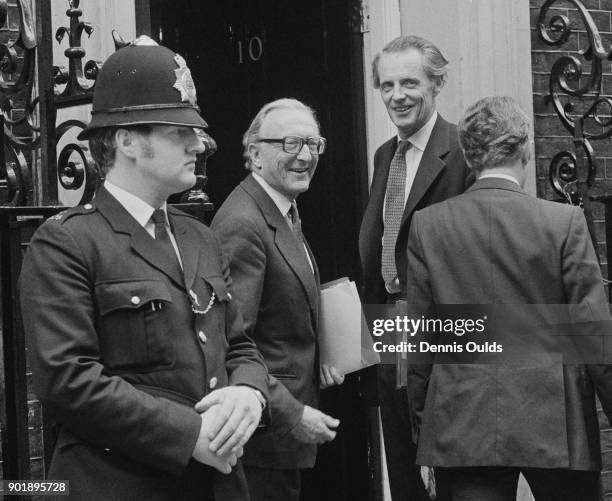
x=162 y=236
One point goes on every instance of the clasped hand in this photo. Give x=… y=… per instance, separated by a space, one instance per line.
x=229 y=415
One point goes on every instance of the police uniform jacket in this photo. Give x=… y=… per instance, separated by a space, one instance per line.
x=119 y=358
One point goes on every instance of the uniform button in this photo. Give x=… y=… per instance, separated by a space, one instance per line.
x=213 y=383
x=135 y=300
x=202 y=336
x=88 y=206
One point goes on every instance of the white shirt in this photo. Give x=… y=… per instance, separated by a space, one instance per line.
x=507 y=177
x=283 y=204
x=141 y=211
x=414 y=154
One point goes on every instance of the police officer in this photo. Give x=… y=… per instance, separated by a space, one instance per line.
x=136 y=347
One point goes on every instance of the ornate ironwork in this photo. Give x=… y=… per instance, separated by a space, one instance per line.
x=75 y=167
x=75 y=77
x=576 y=98
x=575 y=91
x=73 y=85
x=20 y=131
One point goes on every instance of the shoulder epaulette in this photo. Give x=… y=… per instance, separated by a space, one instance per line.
x=63 y=216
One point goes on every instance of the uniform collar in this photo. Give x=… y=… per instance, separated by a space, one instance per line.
x=140 y=210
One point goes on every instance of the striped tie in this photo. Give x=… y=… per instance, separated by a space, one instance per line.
x=296 y=222
x=394 y=210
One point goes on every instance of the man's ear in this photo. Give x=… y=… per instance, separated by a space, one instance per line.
x=437 y=87
x=525 y=154
x=255 y=156
x=127 y=143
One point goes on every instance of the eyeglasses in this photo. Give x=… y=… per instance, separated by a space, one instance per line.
x=294 y=144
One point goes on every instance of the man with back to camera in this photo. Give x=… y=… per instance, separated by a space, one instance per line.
x=276 y=283
x=481 y=425
x=420 y=166
x=138 y=351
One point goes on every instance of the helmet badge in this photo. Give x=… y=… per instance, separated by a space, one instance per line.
x=184 y=83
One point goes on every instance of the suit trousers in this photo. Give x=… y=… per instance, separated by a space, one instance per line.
x=500 y=484
x=400 y=450
x=267 y=484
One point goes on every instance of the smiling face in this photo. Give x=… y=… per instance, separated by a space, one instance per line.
x=289 y=174
x=408 y=93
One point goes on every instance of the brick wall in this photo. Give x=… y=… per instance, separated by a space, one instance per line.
x=551 y=137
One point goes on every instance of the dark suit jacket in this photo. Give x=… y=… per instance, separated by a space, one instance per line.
x=497 y=245
x=278 y=295
x=115 y=352
x=442 y=173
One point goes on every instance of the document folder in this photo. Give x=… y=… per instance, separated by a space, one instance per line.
x=344 y=337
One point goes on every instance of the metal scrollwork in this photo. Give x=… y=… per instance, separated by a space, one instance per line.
x=75 y=166
x=16 y=177
x=576 y=98
x=562 y=173
x=575 y=91
x=18 y=122
x=17 y=60
x=75 y=77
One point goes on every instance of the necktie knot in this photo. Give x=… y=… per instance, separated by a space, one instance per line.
x=403 y=146
x=158 y=217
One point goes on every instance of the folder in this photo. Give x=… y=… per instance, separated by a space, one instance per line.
x=344 y=337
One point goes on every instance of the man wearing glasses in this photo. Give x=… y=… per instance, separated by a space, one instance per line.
x=276 y=283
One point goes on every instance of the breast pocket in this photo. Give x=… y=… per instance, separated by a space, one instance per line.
x=133 y=326
x=211 y=307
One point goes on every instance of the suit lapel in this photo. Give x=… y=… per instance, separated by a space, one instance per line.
x=379 y=183
x=141 y=242
x=286 y=242
x=430 y=166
